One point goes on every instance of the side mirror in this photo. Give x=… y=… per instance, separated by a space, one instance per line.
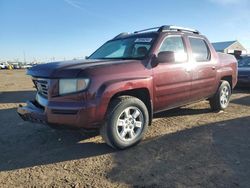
x=86 y=57
x=165 y=57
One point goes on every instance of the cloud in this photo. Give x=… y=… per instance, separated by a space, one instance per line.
x=74 y=4
x=86 y=8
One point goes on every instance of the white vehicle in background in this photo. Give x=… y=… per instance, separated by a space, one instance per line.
x=26 y=66
x=4 y=65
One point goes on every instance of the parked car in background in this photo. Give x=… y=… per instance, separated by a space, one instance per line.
x=128 y=79
x=16 y=65
x=244 y=72
x=3 y=66
x=26 y=66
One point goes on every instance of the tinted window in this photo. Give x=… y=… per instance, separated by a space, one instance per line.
x=176 y=45
x=244 y=62
x=140 y=48
x=200 y=49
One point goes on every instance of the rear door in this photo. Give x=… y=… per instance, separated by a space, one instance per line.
x=172 y=81
x=204 y=81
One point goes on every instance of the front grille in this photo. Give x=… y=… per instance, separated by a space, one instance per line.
x=42 y=86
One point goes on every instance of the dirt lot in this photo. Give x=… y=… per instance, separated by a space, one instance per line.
x=190 y=147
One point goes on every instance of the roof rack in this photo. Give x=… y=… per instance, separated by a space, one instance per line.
x=165 y=28
x=149 y=29
x=177 y=28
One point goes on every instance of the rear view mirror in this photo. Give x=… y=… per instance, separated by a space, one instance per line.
x=166 y=57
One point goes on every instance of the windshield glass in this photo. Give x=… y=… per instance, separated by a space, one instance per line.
x=244 y=62
x=128 y=48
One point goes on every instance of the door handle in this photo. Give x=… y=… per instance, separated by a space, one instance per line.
x=213 y=67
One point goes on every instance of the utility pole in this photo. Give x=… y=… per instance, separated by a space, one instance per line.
x=24 y=57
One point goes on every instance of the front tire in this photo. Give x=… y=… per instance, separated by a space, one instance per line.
x=221 y=99
x=126 y=122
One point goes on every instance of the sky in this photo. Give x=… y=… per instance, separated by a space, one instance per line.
x=48 y=30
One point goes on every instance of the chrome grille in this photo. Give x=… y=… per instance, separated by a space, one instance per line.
x=42 y=86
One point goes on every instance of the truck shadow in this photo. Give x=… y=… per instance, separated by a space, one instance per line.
x=24 y=144
x=242 y=101
x=214 y=155
x=183 y=111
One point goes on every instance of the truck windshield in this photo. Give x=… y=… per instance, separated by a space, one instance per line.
x=128 y=48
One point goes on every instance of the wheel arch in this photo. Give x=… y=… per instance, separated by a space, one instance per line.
x=140 y=88
x=140 y=93
x=229 y=79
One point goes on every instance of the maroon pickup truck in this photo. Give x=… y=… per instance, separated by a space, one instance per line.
x=132 y=76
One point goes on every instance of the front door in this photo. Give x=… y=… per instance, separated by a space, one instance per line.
x=172 y=80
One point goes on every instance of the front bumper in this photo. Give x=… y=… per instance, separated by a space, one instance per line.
x=32 y=113
x=60 y=114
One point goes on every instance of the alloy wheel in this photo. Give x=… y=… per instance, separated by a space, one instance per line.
x=130 y=124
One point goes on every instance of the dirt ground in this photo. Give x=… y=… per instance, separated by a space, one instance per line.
x=189 y=147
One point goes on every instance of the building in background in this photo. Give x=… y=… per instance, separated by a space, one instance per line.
x=230 y=47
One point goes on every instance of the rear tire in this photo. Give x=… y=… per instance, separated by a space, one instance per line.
x=221 y=99
x=126 y=122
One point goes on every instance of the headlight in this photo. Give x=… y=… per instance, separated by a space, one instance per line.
x=72 y=85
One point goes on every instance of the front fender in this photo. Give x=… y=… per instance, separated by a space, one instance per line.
x=111 y=88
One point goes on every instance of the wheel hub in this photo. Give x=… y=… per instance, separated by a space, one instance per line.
x=129 y=124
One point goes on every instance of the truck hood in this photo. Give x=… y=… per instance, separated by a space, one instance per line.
x=70 y=69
